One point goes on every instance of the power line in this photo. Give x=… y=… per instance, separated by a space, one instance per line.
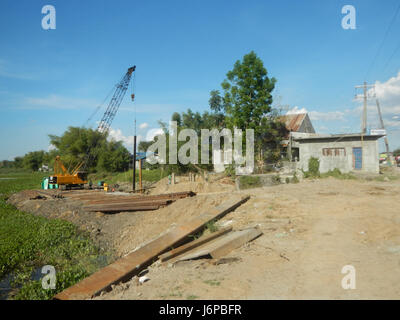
x=383 y=41
x=391 y=57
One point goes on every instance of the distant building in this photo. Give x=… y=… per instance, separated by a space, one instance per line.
x=346 y=152
x=299 y=122
x=295 y=123
x=44 y=168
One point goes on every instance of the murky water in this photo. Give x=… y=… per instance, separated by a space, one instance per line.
x=5 y=283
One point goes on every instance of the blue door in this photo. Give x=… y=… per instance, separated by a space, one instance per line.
x=357 y=158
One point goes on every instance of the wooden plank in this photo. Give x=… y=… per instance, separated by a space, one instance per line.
x=128 y=266
x=193 y=244
x=222 y=245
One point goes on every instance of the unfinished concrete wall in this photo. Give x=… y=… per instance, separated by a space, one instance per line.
x=344 y=161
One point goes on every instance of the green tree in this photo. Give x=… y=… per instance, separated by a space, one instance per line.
x=18 y=162
x=74 y=144
x=113 y=157
x=247 y=94
x=177 y=117
x=33 y=160
x=247 y=104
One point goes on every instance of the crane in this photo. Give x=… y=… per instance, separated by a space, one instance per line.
x=78 y=176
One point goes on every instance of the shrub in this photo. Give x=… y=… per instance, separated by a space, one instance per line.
x=313 y=168
x=295 y=179
x=248 y=182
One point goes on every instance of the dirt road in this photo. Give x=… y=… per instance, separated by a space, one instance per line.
x=311 y=230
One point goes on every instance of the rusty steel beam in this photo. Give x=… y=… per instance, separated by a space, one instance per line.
x=193 y=244
x=130 y=265
x=101 y=195
x=222 y=245
x=120 y=201
x=115 y=199
x=129 y=203
x=122 y=209
x=126 y=206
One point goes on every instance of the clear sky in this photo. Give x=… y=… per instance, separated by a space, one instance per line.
x=52 y=79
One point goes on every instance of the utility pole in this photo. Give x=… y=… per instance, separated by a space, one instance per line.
x=365 y=87
x=364 y=121
x=383 y=127
x=134 y=164
x=134 y=147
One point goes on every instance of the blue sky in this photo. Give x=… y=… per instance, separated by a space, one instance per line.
x=52 y=79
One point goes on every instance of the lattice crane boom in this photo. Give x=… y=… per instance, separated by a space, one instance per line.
x=108 y=117
x=78 y=176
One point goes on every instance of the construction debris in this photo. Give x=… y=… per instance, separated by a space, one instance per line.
x=130 y=265
x=193 y=244
x=117 y=202
x=222 y=245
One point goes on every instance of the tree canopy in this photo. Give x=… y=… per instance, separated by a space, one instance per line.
x=73 y=145
x=247 y=104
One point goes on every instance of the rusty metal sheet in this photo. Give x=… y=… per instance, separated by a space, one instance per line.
x=122 y=209
x=223 y=245
x=128 y=266
x=193 y=244
x=115 y=199
x=106 y=205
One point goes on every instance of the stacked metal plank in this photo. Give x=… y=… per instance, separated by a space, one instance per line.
x=131 y=264
x=116 y=202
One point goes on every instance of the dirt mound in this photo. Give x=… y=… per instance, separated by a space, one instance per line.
x=200 y=185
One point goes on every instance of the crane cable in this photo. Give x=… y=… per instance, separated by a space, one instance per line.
x=99 y=106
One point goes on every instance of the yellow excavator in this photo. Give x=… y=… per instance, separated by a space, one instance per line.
x=77 y=178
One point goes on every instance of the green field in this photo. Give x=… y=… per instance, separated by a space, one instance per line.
x=28 y=242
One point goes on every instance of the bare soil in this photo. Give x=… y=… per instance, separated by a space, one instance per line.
x=311 y=230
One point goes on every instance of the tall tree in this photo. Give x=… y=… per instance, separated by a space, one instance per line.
x=247 y=102
x=247 y=93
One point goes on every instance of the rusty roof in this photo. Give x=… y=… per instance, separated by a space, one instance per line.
x=293 y=121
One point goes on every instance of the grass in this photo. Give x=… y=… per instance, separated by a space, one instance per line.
x=212 y=282
x=386 y=177
x=248 y=182
x=211 y=226
x=336 y=173
x=28 y=242
x=152 y=175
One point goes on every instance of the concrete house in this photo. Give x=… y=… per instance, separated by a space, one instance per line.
x=346 y=152
x=295 y=123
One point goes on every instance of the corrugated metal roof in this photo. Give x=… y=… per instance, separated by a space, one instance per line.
x=293 y=121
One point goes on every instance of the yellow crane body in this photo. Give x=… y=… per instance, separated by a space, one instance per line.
x=67 y=179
